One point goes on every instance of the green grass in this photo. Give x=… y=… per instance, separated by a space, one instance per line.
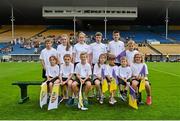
x=165 y=79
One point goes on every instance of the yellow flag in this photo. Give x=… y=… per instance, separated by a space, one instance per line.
x=43 y=95
x=133 y=102
x=104 y=86
x=113 y=85
x=142 y=85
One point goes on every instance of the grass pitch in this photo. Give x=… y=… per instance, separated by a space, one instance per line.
x=165 y=79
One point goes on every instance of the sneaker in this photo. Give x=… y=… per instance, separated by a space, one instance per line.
x=101 y=101
x=114 y=100
x=122 y=98
x=75 y=102
x=148 y=100
x=70 y=101
x=111 y=101
x=85 y=102
x=60 y=99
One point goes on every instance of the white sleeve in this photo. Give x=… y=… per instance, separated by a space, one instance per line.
x=146 y=69
x=61 y=71
x=106 y=71
x=108 y=47
x=72 y=68
x=89 y=70
x=95 y=69
x=77 y=69
x=47 y=71
x=41 y=56
x=130 y=73
x=88 y=49
x=74 y=49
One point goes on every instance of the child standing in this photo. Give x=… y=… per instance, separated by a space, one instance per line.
x=64 y=48
x=46 y=53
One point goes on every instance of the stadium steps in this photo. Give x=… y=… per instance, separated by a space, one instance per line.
x=154 y=49
x=38 y=33
x=5 y=31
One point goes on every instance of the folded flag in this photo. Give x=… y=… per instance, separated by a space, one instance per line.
x=104 y=82
x=142 y=83
x=43 y=94
x=132 y=98
x=113 y=85
x=53 y=102
x=122 y=54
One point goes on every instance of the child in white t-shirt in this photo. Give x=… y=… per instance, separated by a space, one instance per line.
x=66 y=73
x=124 y=77
x=109 y=70
x=52 y=73
x=131 y=51
x=83 y=75
x=97 y=73
x=140 y=72
x=45 y=54
x=64 y=48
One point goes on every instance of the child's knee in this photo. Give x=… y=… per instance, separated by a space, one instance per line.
x=88 y=84
x=97 y=82
x=69 y=83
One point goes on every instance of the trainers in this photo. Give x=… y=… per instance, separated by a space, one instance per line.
x=114 y=100
x=101 y=101
x=111 y=101
x=60 y=99
x=148 y=100
x=75 y=102
x=122 y=98
x=70 y=101
x=85 y=102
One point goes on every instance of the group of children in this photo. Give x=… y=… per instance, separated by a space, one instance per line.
x=90 y=65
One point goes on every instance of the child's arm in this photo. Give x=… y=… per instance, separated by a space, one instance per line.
x=43 y=64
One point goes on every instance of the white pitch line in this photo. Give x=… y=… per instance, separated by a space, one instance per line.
x=165 y=72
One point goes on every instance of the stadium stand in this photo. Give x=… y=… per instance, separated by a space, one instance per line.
x=24 y=31
x=172 y=49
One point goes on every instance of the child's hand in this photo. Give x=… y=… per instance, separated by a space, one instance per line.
x=82 y=81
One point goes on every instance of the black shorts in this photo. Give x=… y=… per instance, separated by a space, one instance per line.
x=93 y=82
x=117 y=64
x=64 y=79
x=120 y=81
x=52 y=80
x=78 y=81
x=140 y=81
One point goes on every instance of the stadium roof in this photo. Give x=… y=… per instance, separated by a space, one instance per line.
x=30 y=11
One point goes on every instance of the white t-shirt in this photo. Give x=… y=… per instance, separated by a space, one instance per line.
x=79 y=48
x=98 y=70
x=62 y=51
x=136 y=69
x=66 y=70
x=116 y=48
x=125 y=72
x=130 y=56
x=52 y=71
x=109 y=70
x=83 y=70
x=45 y=54
x=97 y=49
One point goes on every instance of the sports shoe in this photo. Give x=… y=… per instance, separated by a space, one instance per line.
x=70 y=101
x=75 y=102
x=101 y=101
x=122 y=98
x=114 y=100
x=148 y=100
x=60 y=99
x=85 y=102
